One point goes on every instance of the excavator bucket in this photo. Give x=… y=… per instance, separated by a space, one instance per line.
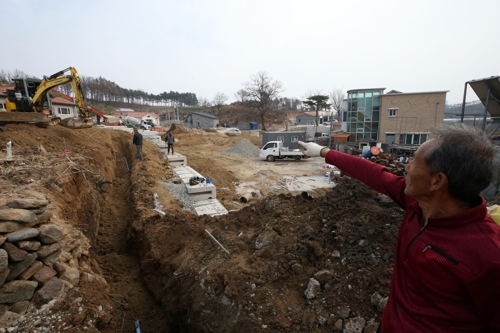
x=76 y=123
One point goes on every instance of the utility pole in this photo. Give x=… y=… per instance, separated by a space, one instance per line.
x=287 y=120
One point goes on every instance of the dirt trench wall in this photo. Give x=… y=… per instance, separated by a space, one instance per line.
x=343 y=241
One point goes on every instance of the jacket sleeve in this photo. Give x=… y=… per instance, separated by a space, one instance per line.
x=373 y=175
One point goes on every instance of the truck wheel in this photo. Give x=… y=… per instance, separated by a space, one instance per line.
x=270 y=158
x=297 y=158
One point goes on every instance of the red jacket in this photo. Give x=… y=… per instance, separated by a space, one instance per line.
x=446 y=276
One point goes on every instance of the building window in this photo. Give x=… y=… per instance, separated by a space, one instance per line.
x=412 y=139
x=393 y=112
x=63 y=111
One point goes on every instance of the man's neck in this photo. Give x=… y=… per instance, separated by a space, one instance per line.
x=442 y=205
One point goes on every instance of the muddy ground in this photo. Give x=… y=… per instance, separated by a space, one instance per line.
x=168 y=274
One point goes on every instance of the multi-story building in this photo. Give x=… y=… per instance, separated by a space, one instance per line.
x=407 y=118
x=362 y=117
x=394 y=117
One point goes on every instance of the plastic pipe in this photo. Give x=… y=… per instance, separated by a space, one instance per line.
x=9 y=150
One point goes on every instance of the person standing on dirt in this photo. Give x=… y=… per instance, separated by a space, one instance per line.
x=446 y=275
x=137 y=141
x=170 y=139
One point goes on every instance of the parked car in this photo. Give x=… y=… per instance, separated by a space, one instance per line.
x=150 y=123
x=327 y=123
x=318 y=138
x=233 y=131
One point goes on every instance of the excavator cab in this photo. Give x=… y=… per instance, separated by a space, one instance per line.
x=20 y=99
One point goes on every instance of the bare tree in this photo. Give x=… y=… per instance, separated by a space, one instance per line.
x=261 y=90
x=241 y=95
x=219 y=101
x=337 y=96
x=204 y=102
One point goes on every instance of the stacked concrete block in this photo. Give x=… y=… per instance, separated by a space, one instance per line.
x=201 y=191
x=203 y=194
x=210 y=207
x=175 y=159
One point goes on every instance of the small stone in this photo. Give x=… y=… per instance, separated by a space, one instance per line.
x=313 y=288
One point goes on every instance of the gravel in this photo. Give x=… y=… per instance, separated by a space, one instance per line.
x=180 y=192
x=244 y=148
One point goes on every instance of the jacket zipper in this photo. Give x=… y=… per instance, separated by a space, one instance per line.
x=413 y=239
x=441 y=253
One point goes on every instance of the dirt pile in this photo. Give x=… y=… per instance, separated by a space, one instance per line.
x=309 y=262
x=343 y=240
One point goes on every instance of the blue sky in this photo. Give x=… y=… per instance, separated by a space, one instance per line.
x=212 y=46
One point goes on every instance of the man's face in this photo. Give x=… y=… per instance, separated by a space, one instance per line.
x=418 y=179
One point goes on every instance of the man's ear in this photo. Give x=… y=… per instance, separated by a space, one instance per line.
x=438 y=181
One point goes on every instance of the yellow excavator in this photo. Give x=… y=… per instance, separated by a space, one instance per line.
x=29 y=101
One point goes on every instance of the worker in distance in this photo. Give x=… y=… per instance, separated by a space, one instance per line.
x=446 y=275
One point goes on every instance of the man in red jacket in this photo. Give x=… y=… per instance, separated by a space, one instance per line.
x=446 y=274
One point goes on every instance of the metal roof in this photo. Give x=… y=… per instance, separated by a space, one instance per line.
x=207 y=115
x=481 y=88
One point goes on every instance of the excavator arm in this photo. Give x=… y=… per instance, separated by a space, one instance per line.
x=58 y=79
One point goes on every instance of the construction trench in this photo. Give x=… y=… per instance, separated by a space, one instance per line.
x=309 y=261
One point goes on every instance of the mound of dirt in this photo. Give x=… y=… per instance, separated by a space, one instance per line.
x=313 y=262
x=341 y=241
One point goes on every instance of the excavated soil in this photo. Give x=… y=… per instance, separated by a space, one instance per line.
x=167 y=272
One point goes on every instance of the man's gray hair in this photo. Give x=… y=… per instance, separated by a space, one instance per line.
x=466 y=155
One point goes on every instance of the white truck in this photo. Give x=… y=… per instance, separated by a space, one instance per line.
x=135 y=123
x=274 y=150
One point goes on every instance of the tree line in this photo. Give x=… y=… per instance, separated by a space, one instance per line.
x=103 y=90
x=259 y=97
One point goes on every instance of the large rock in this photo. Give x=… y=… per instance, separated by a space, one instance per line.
x=15 y=253
x=20 y=307
x=30 y=271
x=51 y=259
x=49 y=233
x=18 y=268
x=29 y=245
x=44 y=216
x=6 y=226
x=27 y=203
x=46 y=250
x=72 y=275
x=4 y=260
x=17 y=215
x=51 y=290
x=2 y=239
x=3 y=276
x=17 y=291
x=22 y=235
x=44 y=274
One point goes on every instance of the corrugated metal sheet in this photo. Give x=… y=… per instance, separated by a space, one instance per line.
x=481 y=87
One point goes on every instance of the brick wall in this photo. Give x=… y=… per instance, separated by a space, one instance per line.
x=417 y=113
